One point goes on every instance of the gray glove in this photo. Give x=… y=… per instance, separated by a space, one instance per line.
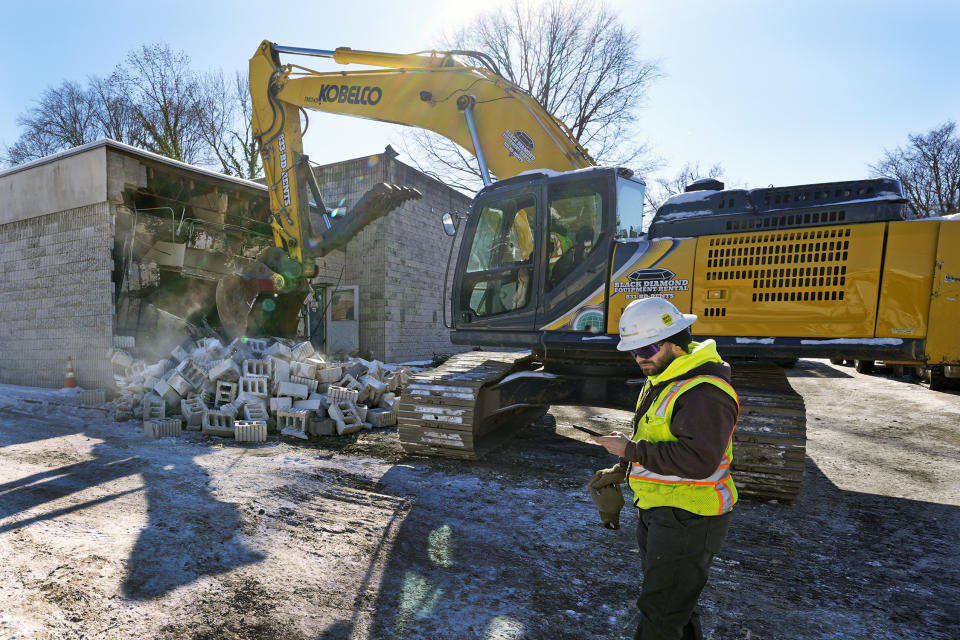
x=604 y=489
x=606 y=477
x=609 y=501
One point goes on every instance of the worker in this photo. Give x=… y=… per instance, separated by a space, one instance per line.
x=572 y=257
x=560 y=241
x=677 y=463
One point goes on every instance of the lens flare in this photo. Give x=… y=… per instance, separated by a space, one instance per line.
x=244 y=339
x=269 y=305
x=373 y=161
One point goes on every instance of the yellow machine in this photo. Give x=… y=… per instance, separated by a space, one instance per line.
x=552 y=252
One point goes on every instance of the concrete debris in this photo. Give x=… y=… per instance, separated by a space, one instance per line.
x=250 y=430
x=252 y=387
x=163 y=428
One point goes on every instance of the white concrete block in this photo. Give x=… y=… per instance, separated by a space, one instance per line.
x=225 y=369
x=389 y=401
x=255 y=385
x=310 y=383
x=257 y=368
x=321 y=427
x=281 y=402
x=257 y=346
x=329 y=375
x=250 y=430
x=216 y=424
x=192 y=373
x=344 y=415
x=168 y=393
x=294 y=390
x=293 y=422
x=162 y=428
x=381 y=418
x=124 y=342
x=252 y=411
x=192 y=411
x=342 y=394
x=154 y=408
x=303 y=370
x=230 y=409
x=376 y=389
x=279 y=350
x=281 y=369
x=309 y=404
x=226 y=392
x=302 y=351
x=180 y=384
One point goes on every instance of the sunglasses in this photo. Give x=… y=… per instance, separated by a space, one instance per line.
x=648 y=351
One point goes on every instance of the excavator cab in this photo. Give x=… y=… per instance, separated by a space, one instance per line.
x=536 y=256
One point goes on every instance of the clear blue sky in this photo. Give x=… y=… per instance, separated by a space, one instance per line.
x=781 y=93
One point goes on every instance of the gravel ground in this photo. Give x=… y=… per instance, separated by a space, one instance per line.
x=105 y=534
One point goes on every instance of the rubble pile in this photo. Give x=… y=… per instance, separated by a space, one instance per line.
x=254 y=386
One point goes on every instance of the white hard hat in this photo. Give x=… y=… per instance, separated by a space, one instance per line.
x=650 y=320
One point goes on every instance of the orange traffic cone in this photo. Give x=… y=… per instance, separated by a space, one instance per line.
x=70 y=381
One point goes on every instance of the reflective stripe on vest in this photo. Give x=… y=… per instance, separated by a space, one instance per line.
x=720 y=478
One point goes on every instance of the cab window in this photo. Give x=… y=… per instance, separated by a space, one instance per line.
x=576 y=222
x=500 y=264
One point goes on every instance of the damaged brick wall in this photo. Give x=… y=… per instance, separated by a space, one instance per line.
x=56 y=297
x=398 y=262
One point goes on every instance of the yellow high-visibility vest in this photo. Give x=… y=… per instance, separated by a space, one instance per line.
x=710 y=496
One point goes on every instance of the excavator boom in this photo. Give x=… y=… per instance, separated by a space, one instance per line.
x=492 y=118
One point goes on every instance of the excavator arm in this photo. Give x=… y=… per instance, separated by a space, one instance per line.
x=498 y=122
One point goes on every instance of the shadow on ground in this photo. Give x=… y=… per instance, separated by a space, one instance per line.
x=832 y=564
x=188 y=532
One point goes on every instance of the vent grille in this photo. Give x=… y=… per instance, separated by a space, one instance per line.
x=787 y=220
x=801 y=266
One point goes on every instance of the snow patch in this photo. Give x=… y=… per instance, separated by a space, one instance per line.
x=873 y=341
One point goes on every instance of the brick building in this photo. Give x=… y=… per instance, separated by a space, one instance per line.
x=107 y=240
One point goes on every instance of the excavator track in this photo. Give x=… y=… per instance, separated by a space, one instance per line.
x=769 y=443
x=453 y=411
x=447 y=412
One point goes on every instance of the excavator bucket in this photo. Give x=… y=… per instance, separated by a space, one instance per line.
x=247 y=309
x=249 y=302
x=236 y=296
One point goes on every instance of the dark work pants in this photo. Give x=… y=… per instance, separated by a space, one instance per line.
x=676 y=548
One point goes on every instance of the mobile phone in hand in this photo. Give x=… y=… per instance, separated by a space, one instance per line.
x=592 y=432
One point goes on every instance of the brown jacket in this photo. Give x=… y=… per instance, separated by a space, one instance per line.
x=703 y=419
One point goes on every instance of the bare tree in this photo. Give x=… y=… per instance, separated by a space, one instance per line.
x=224 y=111
x=63 y=117
x=164 y=92
x=153 y=100
x=929 y=169
x=577 y=60
x=113 y=110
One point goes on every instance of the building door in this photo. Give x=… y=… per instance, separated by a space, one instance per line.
x=343 y=320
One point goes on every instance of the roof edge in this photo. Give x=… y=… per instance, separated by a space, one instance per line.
x=127 y=148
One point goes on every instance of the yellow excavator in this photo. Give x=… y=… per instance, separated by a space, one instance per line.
x=552 y=251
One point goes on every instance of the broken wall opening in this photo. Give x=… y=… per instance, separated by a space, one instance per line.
x=176 y=236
